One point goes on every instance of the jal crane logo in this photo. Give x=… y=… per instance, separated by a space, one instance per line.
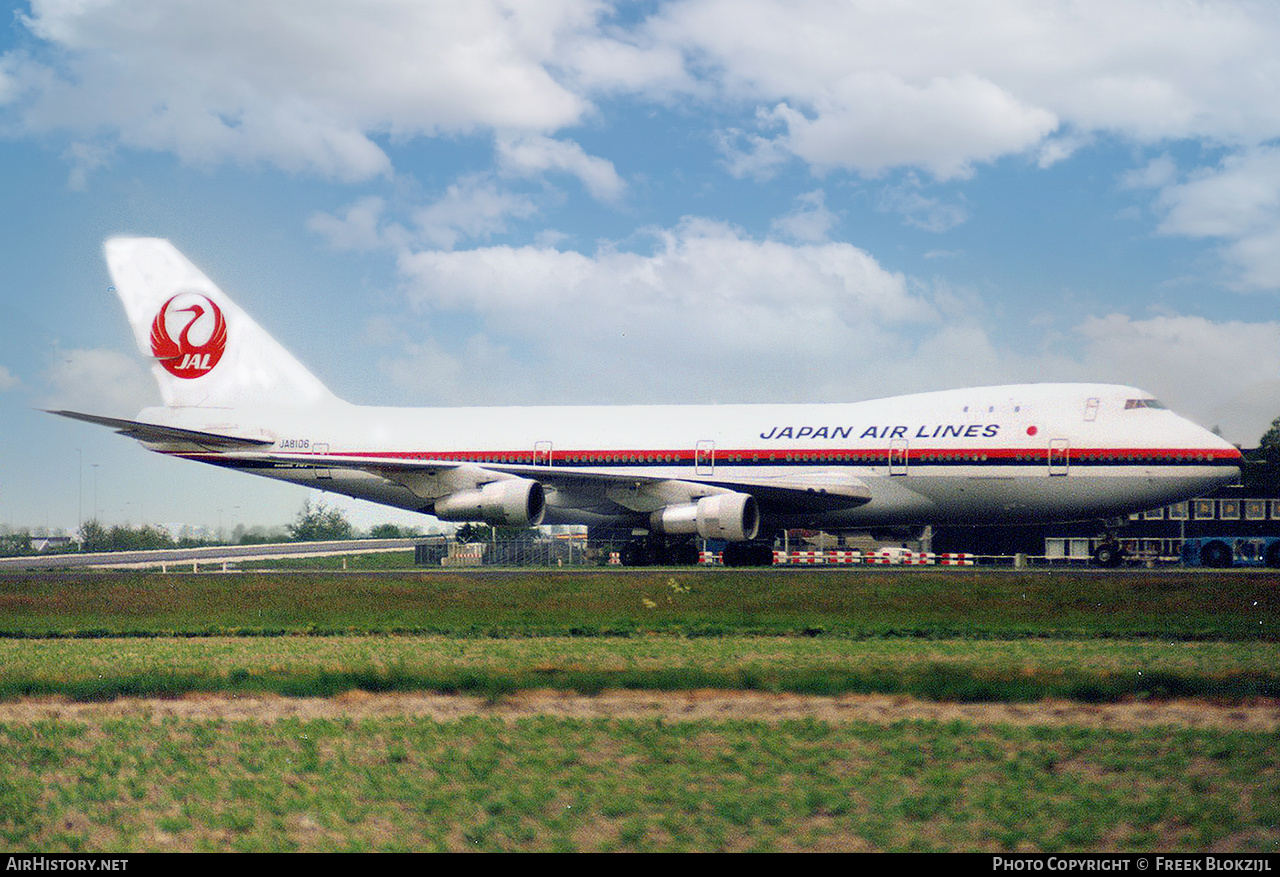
x=202 y=336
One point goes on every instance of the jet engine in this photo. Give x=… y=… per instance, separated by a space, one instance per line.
x=734 y=517
x=517 y=502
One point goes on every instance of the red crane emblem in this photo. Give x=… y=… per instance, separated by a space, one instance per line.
x=188 y=358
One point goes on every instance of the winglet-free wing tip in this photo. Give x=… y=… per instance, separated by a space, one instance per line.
x=155 y=432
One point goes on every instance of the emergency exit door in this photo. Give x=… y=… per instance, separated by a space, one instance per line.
x=704 y=458
x=898 y=453
x=322 y=449
x=1059 y=456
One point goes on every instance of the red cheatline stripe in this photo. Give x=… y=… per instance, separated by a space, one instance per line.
x=916 y=456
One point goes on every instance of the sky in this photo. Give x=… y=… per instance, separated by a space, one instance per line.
x=578 y=201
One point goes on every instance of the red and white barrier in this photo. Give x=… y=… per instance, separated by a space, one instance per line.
x=884 y=557
x=807 y=558
x=901 y=556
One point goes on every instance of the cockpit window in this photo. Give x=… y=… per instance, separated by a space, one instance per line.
x=1143 y=403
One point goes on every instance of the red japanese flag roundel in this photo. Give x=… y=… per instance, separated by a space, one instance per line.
x=201 y=331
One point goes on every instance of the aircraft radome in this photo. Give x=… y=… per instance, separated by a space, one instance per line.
x=233 y=397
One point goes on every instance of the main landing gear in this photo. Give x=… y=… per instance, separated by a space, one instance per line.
x=655 y=551
x=747 y=554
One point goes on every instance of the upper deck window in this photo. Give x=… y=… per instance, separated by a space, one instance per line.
x=1143 y=403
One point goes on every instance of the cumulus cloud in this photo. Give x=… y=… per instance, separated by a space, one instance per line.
x=934 y=87
x=873 y=121
x=920 y=210
x=712 y=314
x=810 y=221
x=474 y=207
x=305 y=87
x=712 y=309
x=7 y=379
x=938 y=86
x=359 y=228
x=1232 y=200
x=944 y=85
x=1236 y=202
x=531 y=154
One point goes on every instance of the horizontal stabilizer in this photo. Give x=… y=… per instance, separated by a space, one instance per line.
x=154 y=432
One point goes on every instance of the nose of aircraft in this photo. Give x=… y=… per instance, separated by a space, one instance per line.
x=1220 y=451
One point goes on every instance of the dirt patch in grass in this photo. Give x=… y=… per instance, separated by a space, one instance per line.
x=667 y=706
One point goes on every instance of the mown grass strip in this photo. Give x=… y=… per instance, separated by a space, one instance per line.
x=1177 y=605
x=397 y=783
x=937 y=682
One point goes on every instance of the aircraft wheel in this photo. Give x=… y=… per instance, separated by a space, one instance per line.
x=747 y=554
x=636 y=554
x=1108 y=555
x=1273 y=555
x=684 y=554
x=1216 y=554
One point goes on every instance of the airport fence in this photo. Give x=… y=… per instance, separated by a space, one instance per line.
x=591 y=553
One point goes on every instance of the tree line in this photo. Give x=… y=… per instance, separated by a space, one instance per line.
x=315 y=523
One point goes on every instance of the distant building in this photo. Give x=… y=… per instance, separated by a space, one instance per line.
x=1229 y=513
x=51 y=543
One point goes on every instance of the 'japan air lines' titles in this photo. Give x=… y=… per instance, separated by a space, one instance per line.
x=929 y=431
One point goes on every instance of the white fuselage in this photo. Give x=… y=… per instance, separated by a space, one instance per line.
x=1013 y=454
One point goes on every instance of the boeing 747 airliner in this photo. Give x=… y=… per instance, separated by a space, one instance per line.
x=234 y=397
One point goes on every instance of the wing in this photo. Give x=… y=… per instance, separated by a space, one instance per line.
x=587 y=488
x=598 y=491
x=154 y=433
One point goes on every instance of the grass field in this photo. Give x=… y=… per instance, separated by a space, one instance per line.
x=1234 y=606
x=145 y=779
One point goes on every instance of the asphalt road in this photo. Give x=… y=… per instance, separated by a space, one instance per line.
x=205 y=555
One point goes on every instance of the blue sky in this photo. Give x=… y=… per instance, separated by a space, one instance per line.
x=433 y=203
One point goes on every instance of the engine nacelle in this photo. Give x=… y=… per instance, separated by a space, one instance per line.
x=516 y=502
x=734 y=517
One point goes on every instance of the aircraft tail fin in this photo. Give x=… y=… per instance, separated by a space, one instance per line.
x=207 y=352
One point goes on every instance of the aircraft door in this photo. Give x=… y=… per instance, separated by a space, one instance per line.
x=704 y=458
x=542 y=453
x=898 y=457
x=324 y=474
x=1059 y=456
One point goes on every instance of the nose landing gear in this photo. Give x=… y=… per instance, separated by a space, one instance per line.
x=1108 y=554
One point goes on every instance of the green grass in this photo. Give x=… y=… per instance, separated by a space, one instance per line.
x=403 y=784
x=863 y=603
x=940 y=635
x=151 y=781
x=1021 y=670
